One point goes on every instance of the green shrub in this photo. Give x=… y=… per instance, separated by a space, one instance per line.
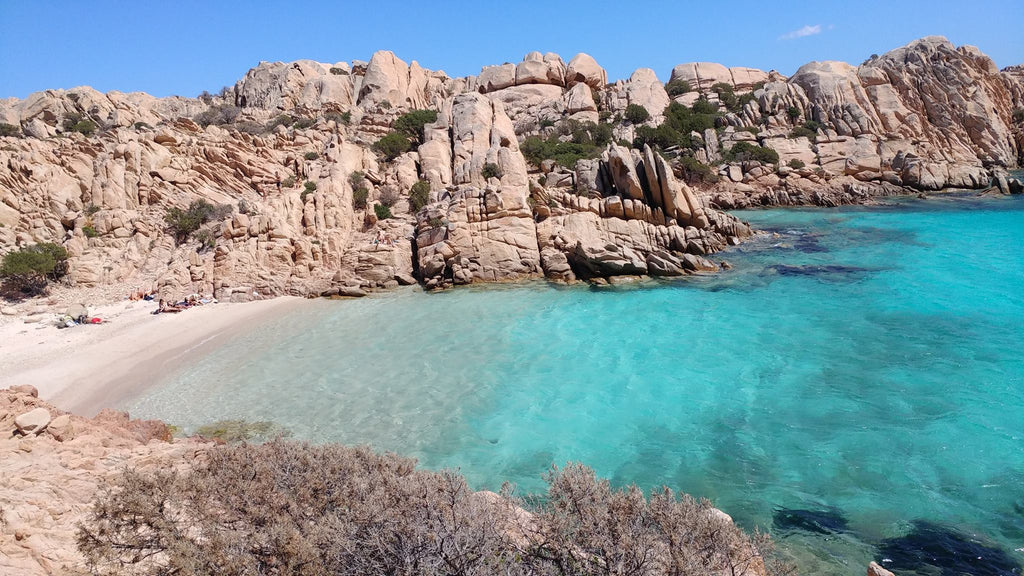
x=696 y=171
x=812 y=125
x=359 y=196
x=796 y=164
x=218 y=115
x=677 y=87
x=91 y=209
x=310 y=155
x=383 y=212
x=393 y=145
x=357 y=179
x=637 y=114
x=793 y=112
x=490 y=170
x=801 y=131
x=419 y=195
x=1018 y=116
x=280 y=120
x=182 y=223
x=726 y=95
x=206 y=238
x=384 y=105
x=303 y=123
x=75 y=122
x=9 y=129
x=436 y=222
x=26 y=271
x=288 y=182
x=142 y=126
x=744 y=151
x=547 y=123
x=90 y=231
x=340 y=117
x=411 y=123
x=339 y=71
x=703 y=106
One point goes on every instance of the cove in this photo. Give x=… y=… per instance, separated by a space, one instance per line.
x=855 y=381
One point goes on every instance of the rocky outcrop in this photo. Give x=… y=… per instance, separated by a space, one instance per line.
x=481 y=229
x=49 y=476
x=922 y=117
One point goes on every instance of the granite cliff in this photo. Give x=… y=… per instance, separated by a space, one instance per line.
x=289 y=150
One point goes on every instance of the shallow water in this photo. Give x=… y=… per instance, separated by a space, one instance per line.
x=857 y=373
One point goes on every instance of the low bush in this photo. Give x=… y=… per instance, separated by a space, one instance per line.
x=389 y=196
x=637 y=114
x=9 y=129
x=288 y=182
x=90 y=231
x=1018 y=116
x=182 y=223
x=309 y=186
x=91 y=209
x=796 y=164
x=490 y=170
x=218 y=115
x=419 y=195
x=310 y=155
x=285 y=508
x=793 y=112
x=677 y=88
x=744 y=151
x=206 y=237
x=393 y=145
x=547 y=123
x=339 y=71
x=383 y=212
x=303 y=123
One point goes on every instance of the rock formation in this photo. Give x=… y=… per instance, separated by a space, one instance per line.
x=49 y=475
x=286 y=148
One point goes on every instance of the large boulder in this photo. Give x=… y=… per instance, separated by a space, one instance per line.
x=583 y=68
x=33 y=421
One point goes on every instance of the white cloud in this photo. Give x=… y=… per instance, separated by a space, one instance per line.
x=805 y=31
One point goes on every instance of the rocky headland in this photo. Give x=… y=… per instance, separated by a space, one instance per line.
x=537 y=169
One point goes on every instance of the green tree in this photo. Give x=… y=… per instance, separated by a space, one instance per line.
x=411 y=123
x=383 y=212
x=26 y=271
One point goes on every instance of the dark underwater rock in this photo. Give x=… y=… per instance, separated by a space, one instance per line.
x=931 y=548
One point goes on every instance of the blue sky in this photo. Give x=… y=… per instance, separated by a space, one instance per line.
x=187 y=46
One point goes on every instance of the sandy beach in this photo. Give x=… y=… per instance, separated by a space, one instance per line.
x=87 y=368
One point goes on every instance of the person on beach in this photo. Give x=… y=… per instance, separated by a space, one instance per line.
x=165 y=307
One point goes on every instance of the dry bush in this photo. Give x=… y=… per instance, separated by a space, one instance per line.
x=297 y=509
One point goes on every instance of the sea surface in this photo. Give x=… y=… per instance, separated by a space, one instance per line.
x=854 y=385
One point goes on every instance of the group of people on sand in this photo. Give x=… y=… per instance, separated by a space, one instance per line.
x=190 y=301
x=383 y=239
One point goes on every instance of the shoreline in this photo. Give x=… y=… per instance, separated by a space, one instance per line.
x=88 y=368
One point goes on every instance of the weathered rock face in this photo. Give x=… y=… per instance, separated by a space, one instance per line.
x=925 y=116
x=49 y=478
x=482 y=228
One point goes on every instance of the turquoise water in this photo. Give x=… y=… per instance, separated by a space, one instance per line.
x=862 y=363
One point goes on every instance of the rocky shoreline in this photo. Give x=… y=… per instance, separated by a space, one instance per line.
x=309 y=202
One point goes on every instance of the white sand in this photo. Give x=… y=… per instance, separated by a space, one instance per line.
x=87 y=368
